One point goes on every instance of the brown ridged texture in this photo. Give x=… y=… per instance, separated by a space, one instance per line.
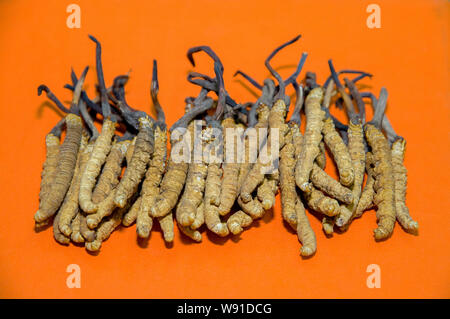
x=297 y=140
x=263 y=112
x=229 y=188
x=143 y=149
x=167 y=226
x=266 y=192
x=192 y=195
x=130 y=216
x=329 y=185
x=102 y=147
x=69 y=209
x=59 y=237
x=50 y=165
x=76 y=233
x=191 y=233
x=256 y=175
x=384 y=182
x=252 y=208
x=105 y=208
x=42 y=224
x=150 y=186
x=144 y=225
x=67 y=160
x=172 y=183
x=237 y=221
x=340 y=152
x=130 y=151
x=194 y=187
x=310 y=144
x=400 y=176
x=358 y=156
x=317 y=201
x=287 y=180
x=304 y=231
x=112 y=169
x=366 y=200
x=88 y=234
x=328 y=225
x=344 y=215
x=105 y=229
x=106 y=200
x=246 y=165
x=211 y=211
x=321 y=159
x=320 y=179
x=199 y=217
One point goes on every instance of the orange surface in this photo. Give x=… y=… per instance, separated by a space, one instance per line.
x=408 y=55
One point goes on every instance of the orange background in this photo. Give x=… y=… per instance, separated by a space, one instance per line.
x=408 y=55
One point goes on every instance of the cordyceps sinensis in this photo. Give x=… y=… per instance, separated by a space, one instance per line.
x=151 y=185
x=70 y=207
x=220 y=192
x=52 y=144
x=79 y=230
x=201 y=195
x=181 y=172
x=336 y=145
x=198 y=175
x=143 y=149
x=356 y=148
x=277 y=126
x=66 y=158
x=311 y=139
x=181 y=139
x=231 y=167
x=293 y=210
x=315 y=198
x=76 y=226
x=398 y=147
x=318 y=177
x=66 y=217
x=118 y=153
x=384 y=185
x=229 y=182
x=258 y=120
x=102 y=144
x=368 y=193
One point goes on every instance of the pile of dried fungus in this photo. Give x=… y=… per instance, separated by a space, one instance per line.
x=227 y=160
